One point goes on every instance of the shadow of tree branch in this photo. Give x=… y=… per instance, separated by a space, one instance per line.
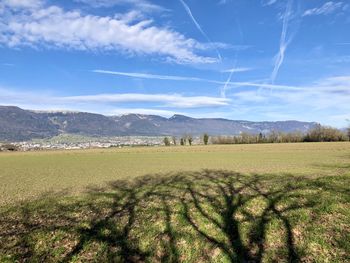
x=159 y=217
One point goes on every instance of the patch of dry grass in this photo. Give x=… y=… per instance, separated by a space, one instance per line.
x=27 y=175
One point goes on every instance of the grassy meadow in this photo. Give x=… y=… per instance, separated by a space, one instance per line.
x=232 y=203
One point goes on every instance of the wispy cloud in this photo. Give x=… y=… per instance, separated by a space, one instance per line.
x=189 y=12
x=147 y=111
x=22 y=3
x=7 y=64
x=308 y=102
x=224 y=88
x=139 y=4
x=269 y=2
x=262 y=85
x=311 y=102
x=52 y=26
x=168 y=100
x=324 y=87
x=149 y=76
x=326 y=9
x=231 y=71
x=284 y=42
x=229 y=84
x=166 y=77
x=236 y=70
x=161 y=100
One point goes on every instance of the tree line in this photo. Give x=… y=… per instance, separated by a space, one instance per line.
x=7 y=147
x=184 y=140
x=318 y=134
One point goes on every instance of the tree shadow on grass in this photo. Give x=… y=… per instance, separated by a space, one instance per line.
x=180 y=217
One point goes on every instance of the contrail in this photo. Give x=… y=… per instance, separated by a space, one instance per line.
x=195 y=79
x=188 y=10
x=283 y=41
x=228 y=81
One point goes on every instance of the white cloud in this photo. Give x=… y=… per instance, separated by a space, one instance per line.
x=220 y=45
x=320 y=101
x=22 y=3
x=269 y=2
x=260 y=85
x=336 y=88
x=229 y=84
x=54 y=27
x=146 y=111
x=326 y=9
x=139 y=4
x=236 y=70
x=325 y=101
x=149 y=76
x=161 y=100
x=168 y=100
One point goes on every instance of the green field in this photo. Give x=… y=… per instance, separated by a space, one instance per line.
x=232 y=203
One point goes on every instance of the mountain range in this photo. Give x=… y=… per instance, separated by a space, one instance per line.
x=17 y=124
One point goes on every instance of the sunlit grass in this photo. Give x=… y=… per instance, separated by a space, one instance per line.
x=256 y=203
x=27 y=175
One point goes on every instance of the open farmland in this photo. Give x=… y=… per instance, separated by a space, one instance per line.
x=233 y=203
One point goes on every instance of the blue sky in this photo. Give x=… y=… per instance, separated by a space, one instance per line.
x=254 y=60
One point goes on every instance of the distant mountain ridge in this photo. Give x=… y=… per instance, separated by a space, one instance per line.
x=17 y=124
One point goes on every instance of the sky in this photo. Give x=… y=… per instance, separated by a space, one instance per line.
x=257 y=60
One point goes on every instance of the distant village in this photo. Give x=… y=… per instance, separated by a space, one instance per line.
x=75 y=142
x=86 y=143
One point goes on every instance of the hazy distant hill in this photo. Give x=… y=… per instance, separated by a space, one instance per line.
x=17 y=125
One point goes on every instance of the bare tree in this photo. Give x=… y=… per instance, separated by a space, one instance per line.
x=182 y=141
x=166 y=141
x=190 y=139
x=205 y=138
x=174 y=140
